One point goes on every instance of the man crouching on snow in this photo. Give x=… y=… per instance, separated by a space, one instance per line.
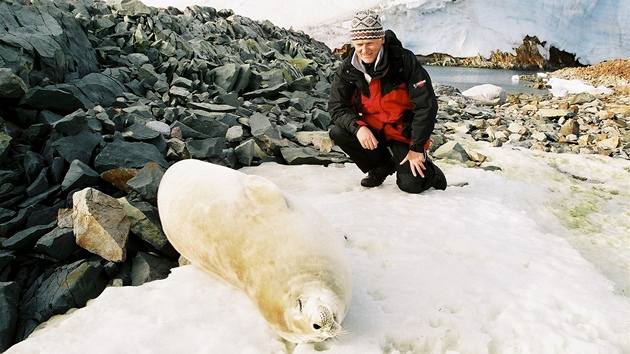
x=382 y=104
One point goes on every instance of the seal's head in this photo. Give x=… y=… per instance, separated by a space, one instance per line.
x=313 y=318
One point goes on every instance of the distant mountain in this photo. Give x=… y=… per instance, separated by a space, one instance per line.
x=593 y=30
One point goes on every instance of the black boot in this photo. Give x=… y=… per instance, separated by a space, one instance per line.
x=377 y=175
x=439 y=180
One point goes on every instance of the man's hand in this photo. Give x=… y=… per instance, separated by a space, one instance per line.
x=366 y=138
x=416 y=162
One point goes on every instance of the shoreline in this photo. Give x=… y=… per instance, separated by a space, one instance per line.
x=587 y=121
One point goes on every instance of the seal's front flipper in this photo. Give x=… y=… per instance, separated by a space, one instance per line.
x=261 y=191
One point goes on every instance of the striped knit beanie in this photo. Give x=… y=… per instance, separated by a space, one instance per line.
x=366 y=25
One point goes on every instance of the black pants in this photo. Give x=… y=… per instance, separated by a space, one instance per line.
x=368 y=159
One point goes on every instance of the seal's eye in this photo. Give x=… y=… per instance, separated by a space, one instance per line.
x=316 y=326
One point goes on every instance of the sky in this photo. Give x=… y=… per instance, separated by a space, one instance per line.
x=593 y=30
x=526 y=259
x=523 y=260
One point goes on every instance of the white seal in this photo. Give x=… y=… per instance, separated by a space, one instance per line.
x=242 y=228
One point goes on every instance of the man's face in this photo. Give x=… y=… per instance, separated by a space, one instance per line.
x=367 y=49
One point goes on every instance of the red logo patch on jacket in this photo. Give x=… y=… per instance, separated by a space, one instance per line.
x=419 y=83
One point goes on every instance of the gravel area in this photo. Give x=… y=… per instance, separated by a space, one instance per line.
x=614 y=74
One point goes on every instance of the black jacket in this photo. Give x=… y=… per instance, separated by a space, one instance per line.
x=397 y=66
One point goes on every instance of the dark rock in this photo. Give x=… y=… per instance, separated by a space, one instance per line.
x=5 y=258
x=206 y=148
x=72 y=124
x=26 y=239
x=145 y=223
x=6 y=214
x=305 y=83
x=57 y=291
x=127 y=154
x=145 y=183
x=248 y=151
x=188 y=132
x=95 y=89
x=132 y=8
x=36 y=134
x=310 y=156
x=160 y=144
x=289 y=130
x=261 y=127
x=209 y=107
x=182 y=82
x=21 y=116
x=123 y=274
x=7 y=266
x=44 y=39
x=451 y=150
x=18 y=222
x=10 y=195
x=58 y=169
x=229 y=159
x=6 y=142
x=36 y=199
x=177 y=150
x=225 y=13
x=52 y=99
x=11 y=85
x=33 y=164
x=232 y=77
x=321 y=119
x=59 y=243
x=79 y=176
x=211 y=127
x=9 y=296
x=269 y=92
x=43 y=214
x=39 y=185
x=270 y=78
x=148 y=268
x=230 y=99
x=179 y=92
x=78 y=147
x=139 y=131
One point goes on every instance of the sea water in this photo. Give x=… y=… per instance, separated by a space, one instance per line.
x=464 y=78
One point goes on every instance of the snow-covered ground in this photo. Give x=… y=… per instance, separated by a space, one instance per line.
x=524 y=260
x=593 y=30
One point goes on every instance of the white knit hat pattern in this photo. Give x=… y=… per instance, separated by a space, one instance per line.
x=366 y=25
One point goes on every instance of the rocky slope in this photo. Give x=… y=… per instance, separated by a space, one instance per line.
x=576 y=123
